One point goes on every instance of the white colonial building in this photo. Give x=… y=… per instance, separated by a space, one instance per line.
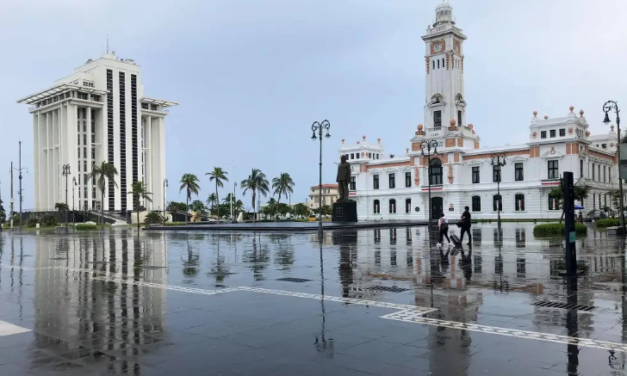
x=99 y=113
x=396 y=187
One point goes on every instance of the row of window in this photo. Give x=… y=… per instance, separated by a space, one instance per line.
x=391 y=181
x=552 y=133
x=68 y=94
x=437 y=118
x=358 y=155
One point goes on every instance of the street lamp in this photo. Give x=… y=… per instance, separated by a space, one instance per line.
x=607 y=107
x=320 y=127
x=165 y=185
x=428 y=145
x=73 y=211
x=498 y=160
x=66 y=172
x=233 y=219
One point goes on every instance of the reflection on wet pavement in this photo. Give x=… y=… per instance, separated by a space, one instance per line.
x=380 y=301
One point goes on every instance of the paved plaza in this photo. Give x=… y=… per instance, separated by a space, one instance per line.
x=381 y=301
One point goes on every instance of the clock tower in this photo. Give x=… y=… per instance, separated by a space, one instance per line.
x=444 y=68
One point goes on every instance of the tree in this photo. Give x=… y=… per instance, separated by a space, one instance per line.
x=61 y=206
x=189 y=182
x=238 y=206
x=301 y=210
x=103 y=172
x=219 y=176
x=212 y=200
x=256 y=183
x=283 y=185
x=139 y=192
x=198 y=206
x=580 y=191
x=326 y=210
x=615 y=197
x=3 y=214
x=154 y=217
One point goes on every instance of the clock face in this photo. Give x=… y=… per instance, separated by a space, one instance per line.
x=437 y=46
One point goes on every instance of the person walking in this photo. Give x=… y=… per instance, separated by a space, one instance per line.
x=443 y=226
x=465 y=225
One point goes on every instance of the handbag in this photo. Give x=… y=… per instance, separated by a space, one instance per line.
x=460 y=223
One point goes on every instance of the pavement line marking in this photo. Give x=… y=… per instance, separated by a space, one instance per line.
x=7 y=329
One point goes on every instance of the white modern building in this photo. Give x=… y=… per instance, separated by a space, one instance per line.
x=98 y=113
x=396 y=187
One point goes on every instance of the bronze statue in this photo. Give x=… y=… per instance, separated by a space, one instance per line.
x=343 y=177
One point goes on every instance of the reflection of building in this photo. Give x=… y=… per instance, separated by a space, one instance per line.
x=461 y=173
x=110 y=316
x=330 y=194
x=98 y=113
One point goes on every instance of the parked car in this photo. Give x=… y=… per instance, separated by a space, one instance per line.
x=595 y=215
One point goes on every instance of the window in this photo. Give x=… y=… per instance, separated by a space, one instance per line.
x=581 y=168
x=375 y=181
x=438 y=64
x=376 y=207
x=605 y=200
x=519 y=174
x=562 y=132
x=554 y=171
x=353 y=186
x=552 y=133
x=519 y=205
x=594 y=201
x=604 y=146
x=543 y=134
x=436 y=172
x=593 y=172
x=496 y=173
x=599 y=195
x=497 y=203
x=459 y=118
x=433 y=64
x=604 y=174
x=609 y=174
x=475 y=175
x=599 y=172
x=391 y=181
x=408 y=206
x=476 y=203
x=437 y=118
x=554 y=203
x=352 y=155
x=392 y=206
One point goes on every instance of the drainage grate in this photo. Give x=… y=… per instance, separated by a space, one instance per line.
x=386 y=288
x=578 y=307
x=298 y=280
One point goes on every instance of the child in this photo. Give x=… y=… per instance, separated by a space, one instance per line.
x=443 y=225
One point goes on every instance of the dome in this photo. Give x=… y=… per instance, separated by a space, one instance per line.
x=444 y=13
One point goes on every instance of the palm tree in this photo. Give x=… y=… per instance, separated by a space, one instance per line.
x=139 y=192
x=258 y=184
x=283 y=185
x=101 y=174
x=219 y=175
x=212 y=200
x=189 y=182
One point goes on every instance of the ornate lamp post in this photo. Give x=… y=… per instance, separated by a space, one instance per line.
x=320 y=128
x=66 y=172
x=165 y=185
x=74 y=184
x=498 y=160
x=429 y=145
x=607 y=107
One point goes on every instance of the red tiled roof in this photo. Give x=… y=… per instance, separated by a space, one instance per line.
x=324 y=186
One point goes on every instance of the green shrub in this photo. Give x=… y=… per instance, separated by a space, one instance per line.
x=153 y=217
x=85 y=226
x=608 y=222
x=31 y=221
x=48 y=220
x=557 y=229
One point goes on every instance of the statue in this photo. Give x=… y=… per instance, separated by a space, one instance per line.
x=343 y=177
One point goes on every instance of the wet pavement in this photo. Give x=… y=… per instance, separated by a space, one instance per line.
x=381 y=301
x=284 y=226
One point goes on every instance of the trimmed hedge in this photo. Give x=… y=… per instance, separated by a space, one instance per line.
x=557 y=229
x=608 y=222
x=86 y=226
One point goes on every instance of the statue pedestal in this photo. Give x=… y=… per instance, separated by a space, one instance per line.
x=345 y=211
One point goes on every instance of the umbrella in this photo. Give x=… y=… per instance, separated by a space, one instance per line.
x=578 y=207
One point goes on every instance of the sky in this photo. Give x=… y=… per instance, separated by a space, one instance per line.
x=251 y=76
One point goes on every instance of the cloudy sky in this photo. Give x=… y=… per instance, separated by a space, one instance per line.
x=251 y=75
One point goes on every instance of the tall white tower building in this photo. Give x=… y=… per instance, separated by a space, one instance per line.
x=99 y=113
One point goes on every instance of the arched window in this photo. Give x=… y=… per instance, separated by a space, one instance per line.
x=438 y=64
x=497 y=203
x=554 y=203
x=519 y=205
x=433 y=64
x=436 y=172
x=476 y=203
x=376 y=209
x=408 y=206
x=392 y=206
x=442 y=62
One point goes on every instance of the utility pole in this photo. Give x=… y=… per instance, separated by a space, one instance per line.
x=1 y=223
x=11 y=211
x=20 y=177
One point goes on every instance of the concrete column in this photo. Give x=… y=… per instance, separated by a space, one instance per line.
x=148 y=161
x=36 y=157
x=89 y=132
x=161 y=151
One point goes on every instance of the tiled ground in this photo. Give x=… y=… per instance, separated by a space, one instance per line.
x=213 y=304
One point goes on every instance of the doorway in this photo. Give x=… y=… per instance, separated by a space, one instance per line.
x=436 y=207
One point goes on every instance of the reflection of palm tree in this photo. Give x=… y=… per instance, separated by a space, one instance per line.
x=220 y=270
x=258 y=258
x=285 y=254
x=190 y=266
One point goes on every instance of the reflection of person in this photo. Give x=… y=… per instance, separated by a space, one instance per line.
x=466 y=226
x=343 y=176
x=443 y=226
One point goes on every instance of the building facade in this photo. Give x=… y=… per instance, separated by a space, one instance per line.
x=98 y=113
x=461 y=173
x=330 y=194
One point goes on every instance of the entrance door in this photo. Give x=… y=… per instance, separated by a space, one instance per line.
x=436 y=207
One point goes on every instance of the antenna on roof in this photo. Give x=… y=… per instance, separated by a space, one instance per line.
x=107 y=44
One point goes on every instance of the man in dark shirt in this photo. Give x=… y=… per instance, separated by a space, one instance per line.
x=466 y=226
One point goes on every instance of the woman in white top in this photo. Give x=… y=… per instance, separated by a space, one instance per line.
x=443 y=225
